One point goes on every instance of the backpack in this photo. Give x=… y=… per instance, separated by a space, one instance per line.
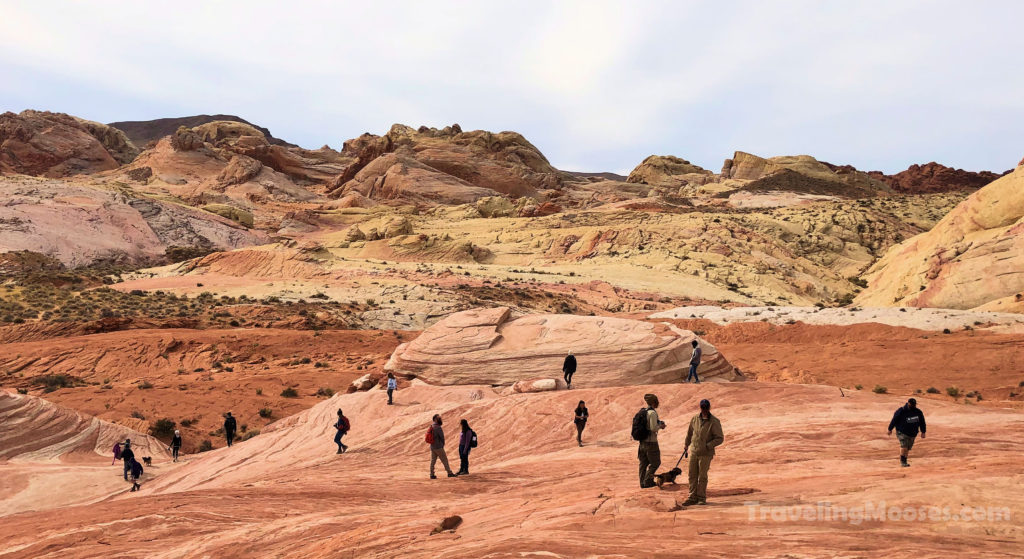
x=117 y=451
x=430 y=435
x=343 y=425
x=641 y=428
x=472 y=439
x=136 y=469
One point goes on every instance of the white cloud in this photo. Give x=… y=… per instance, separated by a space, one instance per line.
x=599 y=84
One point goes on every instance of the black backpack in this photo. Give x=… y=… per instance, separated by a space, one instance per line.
x=472 y=439
x=641 y=428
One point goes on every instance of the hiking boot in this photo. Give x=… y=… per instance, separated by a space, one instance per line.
x=452 y=475
x=581 y=445
x=702 y=502
x=432 y=476
x=691 y=501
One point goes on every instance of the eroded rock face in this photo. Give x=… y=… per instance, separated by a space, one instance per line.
x=668 y=171
x=973 y=256
x=446 y=165
x=58 y=145
x=935 y=177
x=490 y=346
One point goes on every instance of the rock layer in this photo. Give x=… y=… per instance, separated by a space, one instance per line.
x=489 y=346
x=59 y=145
x=973 y=256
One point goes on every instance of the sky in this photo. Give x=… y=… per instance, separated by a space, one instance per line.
x=595 y=85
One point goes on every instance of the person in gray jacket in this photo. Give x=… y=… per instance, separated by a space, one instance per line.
x=435 y=436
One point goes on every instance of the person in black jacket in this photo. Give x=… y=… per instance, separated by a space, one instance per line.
x=568 y=368
x=229 y=428
x=175 y=444
x=907 y=420
x=127 y=456
x=580 y=419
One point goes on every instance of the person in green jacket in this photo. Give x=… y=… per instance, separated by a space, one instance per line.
x=703 y=435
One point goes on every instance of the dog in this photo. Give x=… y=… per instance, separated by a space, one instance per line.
x=147 y=460
x=667 y=477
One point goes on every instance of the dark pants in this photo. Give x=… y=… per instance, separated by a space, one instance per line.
x=230 y=436
x=174 y=452
x=579 y=430
x=693 y=373
x=127 y=468
x=337 y=439
x=390 y=392
x=649 y=455
x=463 y=460
x=568 y=377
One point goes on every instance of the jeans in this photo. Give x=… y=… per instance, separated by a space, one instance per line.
x=337 y=439
x=693 y=373
x=174 y=453
x=464 y=461
x=230 y=436
x=579 y=430
x=568 y=376
x=390 y=392
x=127 y=468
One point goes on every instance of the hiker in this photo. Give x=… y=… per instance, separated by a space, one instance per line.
x=645 y=430
x=580 y=419
x=229 y=428
x=136 y=469
x=568 y=368
x=117 y=452
x=342 y=426
x=435 y=436
x=695 y=362
x=127 y=456
x=467 y=442
x=703 y=435
x=175 y=444
x=392 y=386
x=907 y=420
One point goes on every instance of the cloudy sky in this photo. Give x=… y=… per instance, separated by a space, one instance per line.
x=597 y=86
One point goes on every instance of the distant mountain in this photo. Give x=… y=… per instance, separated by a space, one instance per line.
x=141 y=132
x=602 y=175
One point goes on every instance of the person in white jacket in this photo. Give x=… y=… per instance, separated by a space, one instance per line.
x=392 y=386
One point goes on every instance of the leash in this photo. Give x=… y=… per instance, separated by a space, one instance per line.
x=680 y=461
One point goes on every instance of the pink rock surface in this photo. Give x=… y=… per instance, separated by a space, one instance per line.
x=489 y=346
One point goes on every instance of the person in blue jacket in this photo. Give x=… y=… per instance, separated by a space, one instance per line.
x=907 y=421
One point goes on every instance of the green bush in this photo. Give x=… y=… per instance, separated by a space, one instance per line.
x=932 y=390
x=205 y=445
x=879 y=389
x=145 y=385
x=266 y=412
x=248 y=435
x=162 y=428
x=953 y=391
x=289 y=393
x=858 y=386
x=325 y=392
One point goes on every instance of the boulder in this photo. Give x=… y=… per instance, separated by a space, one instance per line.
x=668 y=171
x=935 y=177
x=240 y=169
x=494 y=206
x=490 y=346
x=538 y=385
x=237 y=215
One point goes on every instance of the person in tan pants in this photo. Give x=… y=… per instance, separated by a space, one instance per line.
x=703 y=435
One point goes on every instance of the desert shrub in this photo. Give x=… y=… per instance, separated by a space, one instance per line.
x=206 y=445
x=953 y=391
x=319 y=365
x=858 y=386
x=53 y=382
x=266 y=412
x=248 y=435
x=305 y=361
x=162 y=428
x=325 y=392
x=188 y=422
x=259 y=391
x=138 y=415
x=879 y=389
x=932 y=390
x=145 y=385
x=23 y=391
x=289 y=393
x=859 y=282
x=946 y=331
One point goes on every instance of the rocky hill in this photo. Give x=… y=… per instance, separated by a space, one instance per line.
x=142 y=132
x=934 y=177
x=972 y=258
x=59 y=145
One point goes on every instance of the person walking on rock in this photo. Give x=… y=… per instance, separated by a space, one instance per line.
x=127 y=456
x=645 y=430
x=435 y=437
x=175 y=444
x=467 y=441
x=568 y=368
x=230 y=426
x=136 y=470
x=341 y=429
x=907 y=420
x=580 y=419
x=695 y=362
x=392 y=386
x=703 y=435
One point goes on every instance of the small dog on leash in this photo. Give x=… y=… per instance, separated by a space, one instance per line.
x=147 y=460
x=667 y=477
